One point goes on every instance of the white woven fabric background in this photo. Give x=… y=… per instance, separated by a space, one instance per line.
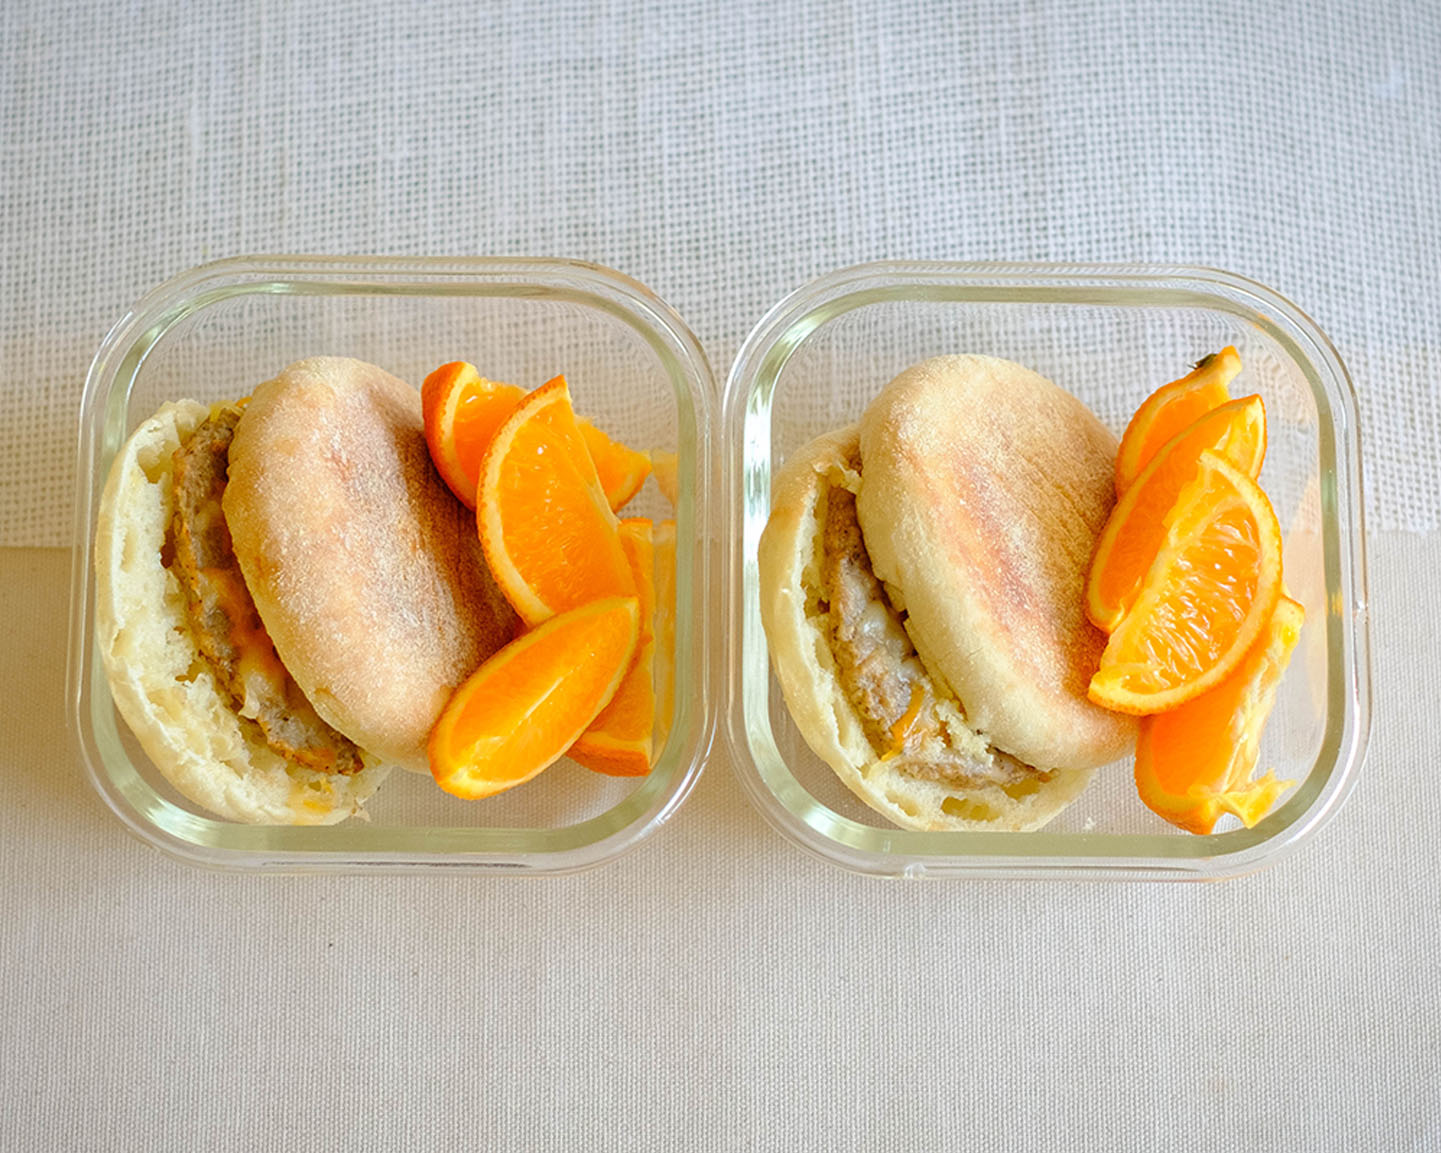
x=723 y=154
x=716 y=989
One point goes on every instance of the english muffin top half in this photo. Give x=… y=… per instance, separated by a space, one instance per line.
x=984 y=487
x=367 y=572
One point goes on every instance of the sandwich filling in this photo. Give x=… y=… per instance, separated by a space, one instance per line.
x=227 y=627
x=882 y=675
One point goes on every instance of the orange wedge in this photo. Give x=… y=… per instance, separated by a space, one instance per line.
x=1172 y=408
x=1197 y=761
x=621 y=470
x=462 y=411
x=1205 y=600
x=520 y=711
x=667 y=475
x=1128 y=543
x=548 y=532
x=663 y=538
x=618 y=742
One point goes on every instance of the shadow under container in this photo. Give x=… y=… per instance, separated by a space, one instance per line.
x=633 y=368
x=1110 y=335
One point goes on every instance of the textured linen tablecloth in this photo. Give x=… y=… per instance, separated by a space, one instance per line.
x=715 y=989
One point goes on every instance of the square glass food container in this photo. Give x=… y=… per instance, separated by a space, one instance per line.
x=1110 y=335
x=633 y=368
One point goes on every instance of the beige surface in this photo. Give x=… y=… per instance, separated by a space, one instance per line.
x=716 y=989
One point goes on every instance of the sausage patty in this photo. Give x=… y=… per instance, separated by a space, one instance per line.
x=227 y=627
x=882 y=674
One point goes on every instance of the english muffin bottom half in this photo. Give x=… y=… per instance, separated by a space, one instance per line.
x=161 y=683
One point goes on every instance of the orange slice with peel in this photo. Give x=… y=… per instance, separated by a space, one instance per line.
x=1172 y=408
x=667 y=475
x=663 y=541
x=1133 y=533
x=520 y=711
x=618 y=741
x=622 y=470
x=1205 y=600
x=463 y=411
x=548 y=532
x=1198 y=761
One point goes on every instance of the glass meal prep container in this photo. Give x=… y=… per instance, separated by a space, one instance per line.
x=633 y=368
x=1110 y=335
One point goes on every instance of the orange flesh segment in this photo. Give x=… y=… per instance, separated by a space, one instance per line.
x=1198 y=761
x=1171 y=409
x=520 y=711
x=618 y=741
x=548 y=532
x=1133 y=533
x=1206 y=598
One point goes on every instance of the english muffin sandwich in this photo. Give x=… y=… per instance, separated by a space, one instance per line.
x=287 y=593
x=921 y=581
